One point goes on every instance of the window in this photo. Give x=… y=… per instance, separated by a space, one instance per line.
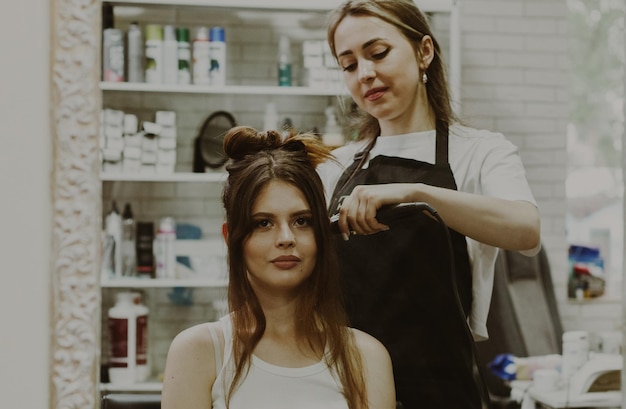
x=594 y=185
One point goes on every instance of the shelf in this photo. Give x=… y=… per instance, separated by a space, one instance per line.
x=223 y=90
x=161 y=283
x=317 y=5
x=135 y=387
x=214 y=177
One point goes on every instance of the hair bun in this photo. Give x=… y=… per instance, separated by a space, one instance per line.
x=241 y=141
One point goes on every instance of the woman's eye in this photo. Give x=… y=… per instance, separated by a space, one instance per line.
x=381 y=55
x=348 y=67
x=303 y=222
x=262 y=223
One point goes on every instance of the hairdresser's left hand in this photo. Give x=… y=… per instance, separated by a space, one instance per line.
x=358 y=211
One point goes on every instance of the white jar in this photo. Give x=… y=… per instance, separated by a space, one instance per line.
x=128 y=339
x=575 y=352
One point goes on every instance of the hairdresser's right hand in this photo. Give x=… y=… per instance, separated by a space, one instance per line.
x=357 y=214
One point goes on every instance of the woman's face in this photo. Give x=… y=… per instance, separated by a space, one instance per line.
x=380 y=67
x=280 y=252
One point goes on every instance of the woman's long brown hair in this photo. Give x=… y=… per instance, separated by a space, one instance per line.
x=255 y=159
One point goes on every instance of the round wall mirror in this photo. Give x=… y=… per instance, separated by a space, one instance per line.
x=208 y=145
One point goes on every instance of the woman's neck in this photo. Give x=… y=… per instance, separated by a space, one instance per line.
x=421 y=120
x=282 y=345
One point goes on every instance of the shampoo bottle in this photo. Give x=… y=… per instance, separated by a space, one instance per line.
x=129 y=259
x=135 y=53
x=270 y=120
x=284 y=62
x=113 y=227
x=217 y=45
x=164 y=249
x=170 y=55
x=154 y=54
x=184 y=55
x=333 y=134
x=128 y=336
x=201 y=57
x=112 y=55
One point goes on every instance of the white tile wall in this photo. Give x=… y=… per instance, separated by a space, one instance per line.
x=514 y=80
x=514 y=72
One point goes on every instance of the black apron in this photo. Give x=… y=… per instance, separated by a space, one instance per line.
x=399 y=288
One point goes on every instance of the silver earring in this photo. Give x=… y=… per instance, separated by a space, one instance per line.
x=424 y=77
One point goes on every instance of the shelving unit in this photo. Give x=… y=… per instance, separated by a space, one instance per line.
x=161 y=283
x=317 y=5
x=221 y=90
x=140 y=387
x=210 y=177
x=169 y=11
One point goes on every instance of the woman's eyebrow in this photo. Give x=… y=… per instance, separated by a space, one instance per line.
x=267 y=215
x=363 y=47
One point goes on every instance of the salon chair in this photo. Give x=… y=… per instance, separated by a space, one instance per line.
x=523 y=318
x=131 y=401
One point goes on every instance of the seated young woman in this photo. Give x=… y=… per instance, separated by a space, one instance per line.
x=285 y=342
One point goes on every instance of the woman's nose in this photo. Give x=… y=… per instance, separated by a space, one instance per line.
x=366 y=71
x=286 y=237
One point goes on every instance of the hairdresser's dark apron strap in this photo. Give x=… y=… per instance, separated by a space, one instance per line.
x=399 y=289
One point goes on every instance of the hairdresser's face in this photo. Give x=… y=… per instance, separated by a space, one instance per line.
x=280 y=252
x=380 y=68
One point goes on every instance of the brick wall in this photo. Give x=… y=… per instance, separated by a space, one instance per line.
x=514 y=80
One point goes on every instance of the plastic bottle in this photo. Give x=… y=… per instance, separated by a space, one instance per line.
x=284 y=62
x=128 y=339
x=170 y=55
x=144 y=249
x=575 y=352
x=154 y=54
x=201 y=57
x=217 y=45
x=112 y=55
x=184 y=55
x=270 y=120
x=164 y=249
x=135 y=53
x=333 y=134
x=129 y=260
x=113 y=228
x=142 y=364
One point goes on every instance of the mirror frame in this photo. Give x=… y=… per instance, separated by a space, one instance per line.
x=76 y=203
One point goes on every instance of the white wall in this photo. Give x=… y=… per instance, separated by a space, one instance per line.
x=514 y=80
x=25 y=160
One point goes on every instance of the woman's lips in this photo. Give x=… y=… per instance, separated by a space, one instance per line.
x=375 y=93
x=286 y=262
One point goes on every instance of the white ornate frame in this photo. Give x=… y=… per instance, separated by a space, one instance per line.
x=76 y=197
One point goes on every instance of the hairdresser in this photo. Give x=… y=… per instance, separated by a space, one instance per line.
x=401 y=285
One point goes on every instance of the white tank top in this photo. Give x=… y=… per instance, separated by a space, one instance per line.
x=269 y=386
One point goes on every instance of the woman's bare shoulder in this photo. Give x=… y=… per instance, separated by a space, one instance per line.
x=367 y=344
x=197 y=337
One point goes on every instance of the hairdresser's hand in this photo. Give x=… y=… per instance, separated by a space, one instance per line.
x=358 y=211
